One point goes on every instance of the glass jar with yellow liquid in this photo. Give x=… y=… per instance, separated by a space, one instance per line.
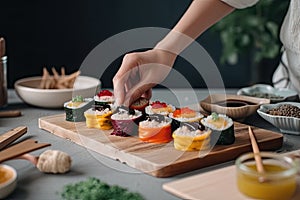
x=277 y=182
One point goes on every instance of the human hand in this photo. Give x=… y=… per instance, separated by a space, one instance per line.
x=139 y=72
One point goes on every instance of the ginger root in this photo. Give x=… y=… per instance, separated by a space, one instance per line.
x=54 y=161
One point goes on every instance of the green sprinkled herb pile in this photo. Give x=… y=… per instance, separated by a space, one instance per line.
x=95 y=189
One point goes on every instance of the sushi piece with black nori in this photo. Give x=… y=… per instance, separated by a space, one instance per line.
x=222 y=128
x=75 y=108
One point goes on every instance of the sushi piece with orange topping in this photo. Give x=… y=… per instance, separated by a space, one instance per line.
x=156 y=129
x=184 y=114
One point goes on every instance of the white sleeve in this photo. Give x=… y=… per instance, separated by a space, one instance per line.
x=240 y=3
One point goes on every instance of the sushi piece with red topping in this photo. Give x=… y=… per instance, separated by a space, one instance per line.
x=104 y=97
x=140 y=104
x=158 y=107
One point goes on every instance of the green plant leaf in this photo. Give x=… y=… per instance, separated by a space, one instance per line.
x=254 y=29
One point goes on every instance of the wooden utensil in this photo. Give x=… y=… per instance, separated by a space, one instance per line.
x=21 y=148
x=31 y=158
x=2 y=47
x=257 y=157
x=10 y=113
x=12 y=135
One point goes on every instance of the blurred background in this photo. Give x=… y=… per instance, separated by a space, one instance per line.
x=38 y=34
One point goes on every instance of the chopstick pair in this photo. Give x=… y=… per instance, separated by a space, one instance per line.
x=14 y=150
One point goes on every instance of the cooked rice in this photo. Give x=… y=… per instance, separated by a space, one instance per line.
x=185 y=131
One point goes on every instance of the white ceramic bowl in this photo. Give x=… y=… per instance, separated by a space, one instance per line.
x=267 y=91
x=10 y=183
x=289 y=125
x=28 y=90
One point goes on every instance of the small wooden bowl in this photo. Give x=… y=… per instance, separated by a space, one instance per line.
x=234 y=106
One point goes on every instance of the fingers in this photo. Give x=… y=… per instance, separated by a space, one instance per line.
x=119 y=91
x=122 y=76
x=137 y=91
x=139 y=72
x=148 y=94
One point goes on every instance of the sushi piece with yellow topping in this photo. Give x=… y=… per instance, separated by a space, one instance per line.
x=75 y=108
x=189 y=137
x=222 y=128
x=99 y=117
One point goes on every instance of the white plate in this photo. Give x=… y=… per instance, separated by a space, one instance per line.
x=27 y=89
x=289 y=125
x=267 y=91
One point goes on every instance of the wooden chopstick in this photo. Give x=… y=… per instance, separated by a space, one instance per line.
x=11 y=136
x=257 y=157
x=21 y=148
x=2 y=47
x=10 y=113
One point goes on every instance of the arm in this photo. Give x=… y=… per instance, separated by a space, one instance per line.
x=199 y=17
x=141 y=71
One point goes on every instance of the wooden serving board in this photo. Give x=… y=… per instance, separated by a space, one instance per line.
x=217 y=184
x=160 y=160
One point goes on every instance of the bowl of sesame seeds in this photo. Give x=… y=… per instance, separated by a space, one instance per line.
x=285 y=116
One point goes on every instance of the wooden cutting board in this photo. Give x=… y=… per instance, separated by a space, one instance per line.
x=159 y=160
x=217 y=184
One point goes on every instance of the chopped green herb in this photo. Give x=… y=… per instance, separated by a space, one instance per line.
x=214 y=116
x=77 y=99
x=94 y=189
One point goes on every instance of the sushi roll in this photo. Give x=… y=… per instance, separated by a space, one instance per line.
x=75 y=108
x=156 y=129
x=222 y=128
x=184 y=114
x=158 y=107
x=99 y=117
x=125 y=121
x=188 y=137
x=104 y=97
x=140 y=104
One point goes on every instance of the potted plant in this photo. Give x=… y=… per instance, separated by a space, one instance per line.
x=252 y=31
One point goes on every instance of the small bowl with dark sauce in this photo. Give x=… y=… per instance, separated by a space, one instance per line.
x=234 y=106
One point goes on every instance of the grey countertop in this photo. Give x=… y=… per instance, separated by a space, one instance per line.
x=33 y=184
